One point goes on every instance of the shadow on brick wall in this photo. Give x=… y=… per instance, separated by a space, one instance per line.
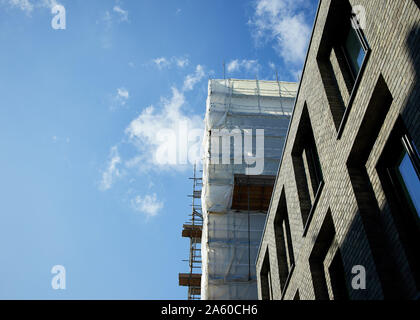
x=411 y=113
x=378 y=239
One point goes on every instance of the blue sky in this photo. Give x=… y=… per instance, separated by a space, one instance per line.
x=80 y=117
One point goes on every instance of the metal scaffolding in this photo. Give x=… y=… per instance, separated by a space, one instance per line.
x=192 y=229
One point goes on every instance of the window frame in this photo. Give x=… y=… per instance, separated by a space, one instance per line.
x=314 y=164
x=354 y=26
x=406 y=221
x=357 y=78
x=311 y=149
x=284 y=234
x=398 y=183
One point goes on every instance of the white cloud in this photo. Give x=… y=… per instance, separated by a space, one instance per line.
x=163 y=62
x=143 y=136
x=49 y=3
x=123 y=93
x=107 y=19
x=233 y=66
x=283 y=22
x=123 y=14
x=148 y=205
x=120 y=99
x=28 y=5
x=145 y=125
x=192 y=79
x=23 y=5
x=247 y=65
x=111 y=172
x=182 y=62
x=143 y=131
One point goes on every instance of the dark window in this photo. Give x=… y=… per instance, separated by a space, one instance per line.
x=408 y=180
x=307 y=169
x=313 y=167
x=404 y=172
x=285 y=256
x=265 y=275
x=342 y=56
x=252 y=192
x=399 y=172
x=354 y=51
x=338 y=278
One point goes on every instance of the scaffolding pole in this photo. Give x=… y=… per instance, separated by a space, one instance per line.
x=193 y=230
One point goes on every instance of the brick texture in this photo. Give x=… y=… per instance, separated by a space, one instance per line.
x=393 y=34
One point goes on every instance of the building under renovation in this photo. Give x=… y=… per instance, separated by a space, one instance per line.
x=245 y=128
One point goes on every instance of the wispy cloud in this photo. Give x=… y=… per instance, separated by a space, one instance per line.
x=143 y=141
x=123 y=93
x=284 y=24
x=143 y=131
x=49 y=3
x=119 y=99
x=163 y=62
x=182 y=62
x=192 y=79
x=243 y=65
x=123 y=14
x=24 y=5
x=56 y=139
x=148 y=205
x=108 y=19
x=28 y=6
x=111 y=171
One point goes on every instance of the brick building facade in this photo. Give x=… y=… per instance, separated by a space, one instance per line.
x=346 y=197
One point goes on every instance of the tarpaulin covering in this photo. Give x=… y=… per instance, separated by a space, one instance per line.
x=230 y=238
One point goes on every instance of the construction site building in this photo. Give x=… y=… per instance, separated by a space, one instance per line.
x=238 y=180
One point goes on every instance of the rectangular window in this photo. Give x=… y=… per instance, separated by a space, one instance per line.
x=307 y=169
x=409 y=182
x=266 y=282
x=283 y=237
x=399 y=172
x=354 y=51
x=312 y=167
x=405 y=174
x=342 y=58
x=252 y=193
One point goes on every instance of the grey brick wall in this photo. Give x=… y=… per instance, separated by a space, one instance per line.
x=392 y=32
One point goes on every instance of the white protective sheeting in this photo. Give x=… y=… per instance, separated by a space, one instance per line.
x=230 y=239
